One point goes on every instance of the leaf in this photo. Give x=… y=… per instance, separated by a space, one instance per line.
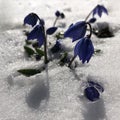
x=29 y=72
x=51 y=30
x=40 y=52
x=64 y=59
x=29 y=50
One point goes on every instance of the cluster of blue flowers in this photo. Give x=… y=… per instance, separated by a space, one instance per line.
x=84 y=47
x=38 y=31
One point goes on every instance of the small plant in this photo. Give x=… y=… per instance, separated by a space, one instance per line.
x=40 y=33
x=84 y=48
x=93 y=90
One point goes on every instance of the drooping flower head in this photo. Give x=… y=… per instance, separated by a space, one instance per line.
x=84 y=49
x=99 y=9
x=76 y=31
x=92 y=90
x=31 y=19
x=59 y=14
x=91 y=93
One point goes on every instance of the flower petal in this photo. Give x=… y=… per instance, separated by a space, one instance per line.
x=78 y=47
x=31 y=19
x=104 y=9
x=57 y=13
x=91 y=93
x=96 y=85
x=38 y=34
x=84 y=49
x=76 y=31
x=99 y=9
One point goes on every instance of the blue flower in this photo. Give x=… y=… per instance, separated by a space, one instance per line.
x=57 y=13
x=62 y=15
x=37 y=33
x=76 y=31
x=96 y=85
x=84 y=49
x=99 y=9
x=31 y=19
x=91 y=93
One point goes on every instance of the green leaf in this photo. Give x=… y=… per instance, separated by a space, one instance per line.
x=29 y=72
x=64 y=59
x=28 y=42
x=97 y=52
x=59 y=35
x=40 y=52
x=29 y=50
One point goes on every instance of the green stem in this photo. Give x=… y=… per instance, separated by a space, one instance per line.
x=55 y=21
x=45 y=41
x=89 y=14
x=45 y=50
x=90 y=29
x=70 y=63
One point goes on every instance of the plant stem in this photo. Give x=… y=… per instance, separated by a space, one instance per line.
x=69 y=65
x=90 y=29
x=45 y=50
x=89 y=14
x=55 y=21
x=45 y=45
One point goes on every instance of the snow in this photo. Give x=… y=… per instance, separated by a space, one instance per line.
x=57 y=92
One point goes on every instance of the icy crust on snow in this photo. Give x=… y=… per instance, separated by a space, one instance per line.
x=57 y=92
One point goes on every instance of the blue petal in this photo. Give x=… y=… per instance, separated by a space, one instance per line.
x=96 y=85
x=76 y=31
x=31 y=19
x=62 y=15
x=91 y=93
x=95 y=11
x=100 y=12
x=90 y=50
x=51 y=30
x=78 y=47
x=84 y=49
x=57 y=13
x=37 y=33
x=104 y=10
x=99 y=9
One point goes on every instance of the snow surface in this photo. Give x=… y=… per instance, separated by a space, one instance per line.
x=57 y=93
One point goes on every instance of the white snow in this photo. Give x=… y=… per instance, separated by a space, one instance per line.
x=57 y=93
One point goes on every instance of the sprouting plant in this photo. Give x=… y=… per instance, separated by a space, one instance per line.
x=39 y=32
x=84 y=48
x=58 y=15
